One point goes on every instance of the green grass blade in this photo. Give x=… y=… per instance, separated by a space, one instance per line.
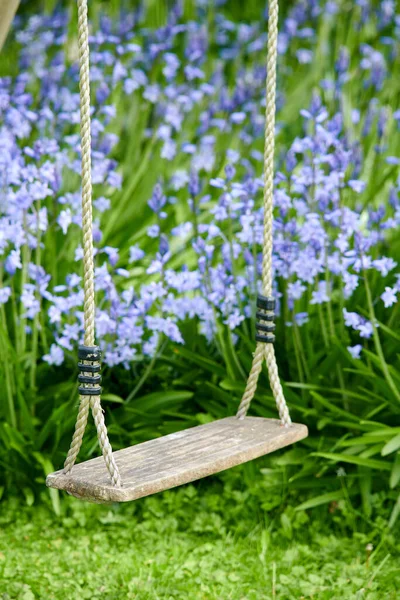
x=355 y=460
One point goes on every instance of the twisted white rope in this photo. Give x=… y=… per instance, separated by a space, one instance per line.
x=267 y=350
x=88 y=264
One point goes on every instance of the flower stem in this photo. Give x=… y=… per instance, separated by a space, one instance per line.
x=147 y=372
x=35 y=330
x=7 y=370
x=323 y=326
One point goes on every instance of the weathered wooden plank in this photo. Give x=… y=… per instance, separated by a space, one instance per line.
x=178 y=458
x=8 y=8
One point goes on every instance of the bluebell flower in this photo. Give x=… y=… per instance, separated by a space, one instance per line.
x=238 y=117
x=29 y=301
x=102 y=204
x=179 y=179
x=102 y=92
x=359 y=323
x=151 y=292
x=218 y=182
x=55 y=356
x=356 y=185
x=13 y=262
x=351 y=282
x=172 y=64
x=386 y=11
x=114 y=180
x=389 y=297
x=301 y=318
x=150 y=346
x=166 y=326
x=304 y=56
x=188 y=148
x=5 y=294
x=194 y=184
x=184 y=281
x=355 y=351
x=135 y=253
x=352 y=319
x=375 y=63
x=73 y=280
x=163 y=246
x=296 y=290
x=54 y=313
x=168 y=150
x=320 y=295
x=392 y=160
x=396 y=117
x=355 y=116
x=151 y=93
x=64 y=220
x=365 y=329
x=342 y=64
x=112 y=253
x=192 y=73
x=230 y=172
x=153 y=231
x=233 y=156
x=158 y=199
x=384 y=265
x=234 y=319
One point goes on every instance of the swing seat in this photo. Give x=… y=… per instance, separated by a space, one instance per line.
x=177 y=458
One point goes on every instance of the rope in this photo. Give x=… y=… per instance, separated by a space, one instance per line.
x=88 y=265
x=266 y=350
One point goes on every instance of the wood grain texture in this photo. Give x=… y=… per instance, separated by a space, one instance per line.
x=8 y=8
x=178 y=458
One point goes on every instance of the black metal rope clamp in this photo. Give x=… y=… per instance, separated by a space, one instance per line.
x=265 y=317
x=89 y=370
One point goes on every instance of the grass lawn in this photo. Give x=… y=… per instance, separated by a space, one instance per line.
x=202 y=541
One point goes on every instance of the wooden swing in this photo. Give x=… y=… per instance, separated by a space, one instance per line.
x=187 y=455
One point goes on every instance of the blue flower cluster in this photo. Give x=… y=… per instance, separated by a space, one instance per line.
x=336 y=188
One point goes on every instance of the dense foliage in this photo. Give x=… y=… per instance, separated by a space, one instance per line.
x=177 y=166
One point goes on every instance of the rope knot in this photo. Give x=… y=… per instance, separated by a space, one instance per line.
x=265 y=315
x=89 y=367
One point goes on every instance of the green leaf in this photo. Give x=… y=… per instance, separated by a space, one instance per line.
x=206 y=363
x=333 y=407
x=395 y=513
x=365 y=482
x=286 y=526
x=364 y=440
x=389 y=331
x=294 y=456
x=232 y=386
x=322 y=499
x=387 y=431
x=391 y=446
x=29 y=496
x=58 y=415
x=219 y=394
x=355 y=460
x=55 y=500
x=112 y=398
x=157 y=400
x=229 y=353
x=48 y=468
x=395 y=474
